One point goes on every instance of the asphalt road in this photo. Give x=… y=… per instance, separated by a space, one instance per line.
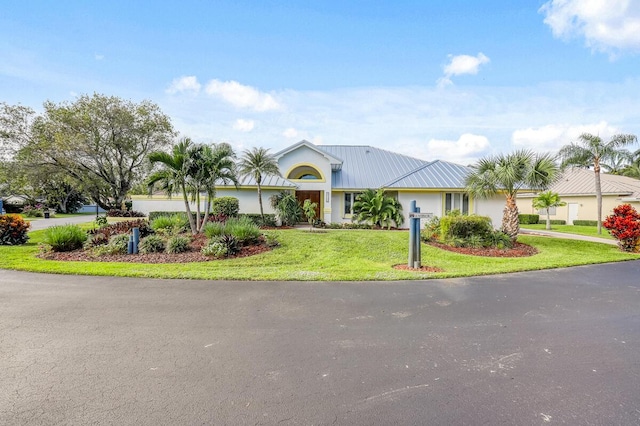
x=551 y=347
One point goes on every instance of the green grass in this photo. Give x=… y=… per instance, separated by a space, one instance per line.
x=336 y=255
x=589 y=231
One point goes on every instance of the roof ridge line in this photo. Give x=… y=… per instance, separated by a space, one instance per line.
x=409 y=173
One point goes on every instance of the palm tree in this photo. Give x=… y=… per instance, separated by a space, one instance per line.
x=257 y=163
x=509 y=174
x=212 y=164
x=618 y=161
x=174 y=176
x=377 y=208
x=546 y=200
x=633 y=169
x=589 y=151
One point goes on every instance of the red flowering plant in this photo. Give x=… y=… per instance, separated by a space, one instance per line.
x=624 y=225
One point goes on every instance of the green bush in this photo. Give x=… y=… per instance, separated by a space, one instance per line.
x=465 y=226
x=553 y=222
x=215 y=249
x=65 y=237
x=214 y=229
x=528 y=219
x=178 y=244
x=13 y=230
x=499 y=240
x=244 y=229
x=173 y=224
x=269 y=219
x=155 y=215
x=287 y=207
x=225 y=206
x=151 y=244
x=117 y=244
x=124 y=227
x=33 y=211
x=585 y=222
x=101 y=221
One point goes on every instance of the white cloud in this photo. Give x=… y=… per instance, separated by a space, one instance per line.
x=244 y=125
x=462 y=64
x=606 y=25
x=184 y=84
x=552 y=137
x=290 y=133
x=465 y=150
x=98 y=56
x=241 y=96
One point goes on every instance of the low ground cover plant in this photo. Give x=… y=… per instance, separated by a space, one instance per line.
x=169 y=225
x=624 y=225
x=13 y=230
x=65 y=237
x=151 y=244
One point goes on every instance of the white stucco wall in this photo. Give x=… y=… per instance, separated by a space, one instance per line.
x=247 y=199
x=491 y=207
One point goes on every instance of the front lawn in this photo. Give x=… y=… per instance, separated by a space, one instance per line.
x=589 y=231
x=334 y=255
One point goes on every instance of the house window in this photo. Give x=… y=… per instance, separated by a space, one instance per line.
x=552 y=211
x=349 y=199
x=456 y=201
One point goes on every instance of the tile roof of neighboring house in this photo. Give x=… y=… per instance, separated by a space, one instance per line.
x=582 y=182
x=436 y=174
x=368 y=167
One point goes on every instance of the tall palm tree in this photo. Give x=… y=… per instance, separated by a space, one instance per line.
x=591 y=150
x=633 y=169
x=175 y=174
x=618 y=161
x=509 y=174
x=546 y=200
x=213 y=164
x=257 y=163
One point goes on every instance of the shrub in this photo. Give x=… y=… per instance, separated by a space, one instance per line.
x=553 y=222
x=271 y=240
x=624 y=225
x=33 y=211
x=117 y=245
x=101 y=221
x=464 y=226
x=65 y=237
x=215 y=249
x=499 y=240
x=151 y=244
x=243 y=228
x=225 y=206
x=155 y=215
x=230 y=242
x=118 y=228
x=269 y=219
x=124 y=213
x=178 y=244
x=214 y=229
x=529 y=219
x=585 y=222
x=287 y=207
x=173 y=224
x=13 y=230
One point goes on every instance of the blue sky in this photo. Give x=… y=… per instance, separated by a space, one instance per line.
x=454 y=80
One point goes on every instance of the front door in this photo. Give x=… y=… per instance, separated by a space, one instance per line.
x=314 y=196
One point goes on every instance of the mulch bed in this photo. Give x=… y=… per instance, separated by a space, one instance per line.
x=518 y=250
x=193 y=255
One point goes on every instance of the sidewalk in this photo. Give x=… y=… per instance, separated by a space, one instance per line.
x=567 y=236
x=41 y=223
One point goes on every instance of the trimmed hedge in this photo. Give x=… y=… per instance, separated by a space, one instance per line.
x=528 y=219
x=585 y=222
x=225 y=206
x=553 y=222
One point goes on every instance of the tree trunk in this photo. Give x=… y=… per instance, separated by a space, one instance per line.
x=510 y=221
x=260 y=202
x=596 y=169
x=548 y=227
x=192 y=223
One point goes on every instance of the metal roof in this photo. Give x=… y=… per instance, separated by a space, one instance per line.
x=267 y=181
x=437 y=174
x=577 y=181
x=368 y=167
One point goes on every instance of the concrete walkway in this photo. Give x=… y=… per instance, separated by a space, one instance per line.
x=41 y=223
x=567 y=236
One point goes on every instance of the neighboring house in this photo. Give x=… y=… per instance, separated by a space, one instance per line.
x=576 y=187
x=333 y=175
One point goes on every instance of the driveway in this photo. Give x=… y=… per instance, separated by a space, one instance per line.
x=41 y=223
x=550 y=347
